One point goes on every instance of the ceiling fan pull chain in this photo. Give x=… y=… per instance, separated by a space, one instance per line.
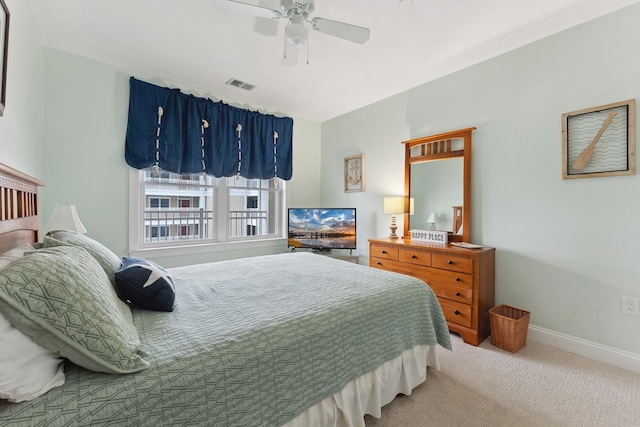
x=284 y=49
x=307 y=52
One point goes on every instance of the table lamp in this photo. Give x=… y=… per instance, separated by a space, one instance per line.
x=393 y=206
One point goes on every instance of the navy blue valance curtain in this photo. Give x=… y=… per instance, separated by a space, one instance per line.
x=182 y=133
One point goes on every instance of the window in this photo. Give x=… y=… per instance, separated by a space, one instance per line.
x=193 y=209
x=158 y=202
x=257 y=196
x=158 y=232
x=252 y=202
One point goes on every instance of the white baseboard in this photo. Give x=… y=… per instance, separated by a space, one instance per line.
x=591 y=350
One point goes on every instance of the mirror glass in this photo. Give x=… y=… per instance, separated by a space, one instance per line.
x=436 y=187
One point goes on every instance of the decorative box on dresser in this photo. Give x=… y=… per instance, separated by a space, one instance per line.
x=463 y=279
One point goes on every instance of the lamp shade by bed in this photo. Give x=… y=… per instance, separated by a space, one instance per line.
x=65 y=217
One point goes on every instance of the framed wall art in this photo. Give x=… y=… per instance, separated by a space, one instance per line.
x=354 y=173
x=599 y=141
x=4 y=47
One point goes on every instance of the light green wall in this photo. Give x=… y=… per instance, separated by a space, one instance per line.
x=21 y=130
x=85 y=123
x=86 y=105
x=566 y=249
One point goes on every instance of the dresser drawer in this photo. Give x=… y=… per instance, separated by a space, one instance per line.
x=452 y=262
x=456 y=312
x=381 y=251
x=464 y=296
x=415 y=257
x=400 y=267
x=450 y=278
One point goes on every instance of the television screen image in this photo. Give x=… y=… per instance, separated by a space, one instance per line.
x=322 y=229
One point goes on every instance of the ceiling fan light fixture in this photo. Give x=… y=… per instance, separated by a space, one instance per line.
x=296 y=34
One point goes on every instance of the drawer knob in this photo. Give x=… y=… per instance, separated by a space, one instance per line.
x=413 y=257
x=458 y=279
x=458 y=294
x=450 y=262
x=456 y=312
x=379 y=263
x=384 y=252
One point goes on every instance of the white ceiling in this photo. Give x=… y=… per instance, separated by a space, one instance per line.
x=195 y=44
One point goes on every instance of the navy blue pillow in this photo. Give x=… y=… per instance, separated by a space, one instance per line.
x=144 y=284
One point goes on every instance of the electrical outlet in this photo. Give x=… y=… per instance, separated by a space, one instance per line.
x=629 y=305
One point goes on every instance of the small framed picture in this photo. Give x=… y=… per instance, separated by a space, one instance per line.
x=354 y=173
x=4 y=47
x=599 y=141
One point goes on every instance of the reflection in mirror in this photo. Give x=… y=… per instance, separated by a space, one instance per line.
x=436 y=187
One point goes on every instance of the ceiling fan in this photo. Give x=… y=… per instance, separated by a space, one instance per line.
x=296 y=33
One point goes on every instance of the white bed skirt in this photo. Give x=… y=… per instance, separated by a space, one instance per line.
x=370 y=392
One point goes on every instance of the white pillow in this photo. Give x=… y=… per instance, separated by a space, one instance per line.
x=8 y=257
x=27 y=370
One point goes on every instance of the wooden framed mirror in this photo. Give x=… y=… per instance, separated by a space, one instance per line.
x=437 y=176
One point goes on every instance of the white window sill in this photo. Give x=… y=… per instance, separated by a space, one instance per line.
x=194 y=249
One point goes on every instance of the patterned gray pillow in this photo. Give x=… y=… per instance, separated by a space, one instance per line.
x=62 y=298
x=109 y=261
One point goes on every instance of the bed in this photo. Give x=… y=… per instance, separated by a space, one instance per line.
x=293 y=339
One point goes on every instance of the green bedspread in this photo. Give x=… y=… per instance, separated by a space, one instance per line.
x=250 y=343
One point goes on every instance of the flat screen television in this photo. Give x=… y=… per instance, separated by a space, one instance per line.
x=322 y=229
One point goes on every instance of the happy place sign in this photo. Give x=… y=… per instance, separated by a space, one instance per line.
x=431 y=236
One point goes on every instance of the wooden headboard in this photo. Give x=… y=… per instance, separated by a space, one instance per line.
x=19 y=210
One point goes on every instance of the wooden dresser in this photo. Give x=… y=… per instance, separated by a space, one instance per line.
x=463 y=279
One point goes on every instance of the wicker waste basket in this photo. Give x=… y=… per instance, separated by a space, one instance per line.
x=509 y=327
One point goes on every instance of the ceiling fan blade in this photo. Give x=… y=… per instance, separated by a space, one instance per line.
x=340 y=29
x=265 y=26
x=290 y=55
x=238 y=6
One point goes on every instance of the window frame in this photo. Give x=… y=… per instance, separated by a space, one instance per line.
x=138 y=248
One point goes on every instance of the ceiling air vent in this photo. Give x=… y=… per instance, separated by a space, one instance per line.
x=240 y=84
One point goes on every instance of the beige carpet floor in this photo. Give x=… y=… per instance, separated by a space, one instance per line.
x=537 y=386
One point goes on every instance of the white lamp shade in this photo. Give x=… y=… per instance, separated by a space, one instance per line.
x=64 y=217
x=433 y=218
x=393 y=205
x=411 y=206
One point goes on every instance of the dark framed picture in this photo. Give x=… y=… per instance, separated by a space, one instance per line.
x=599 y=141
x=4 y=47
x=354 y=173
